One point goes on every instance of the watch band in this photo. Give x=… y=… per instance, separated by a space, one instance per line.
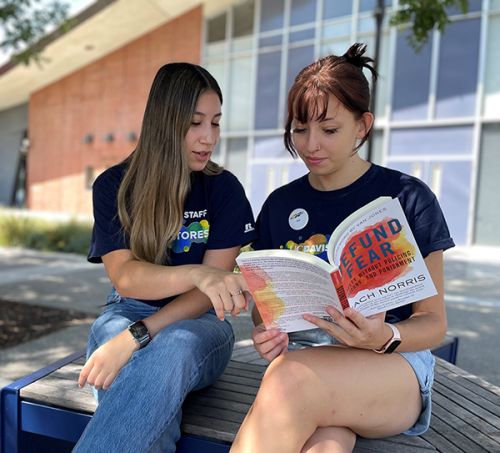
x=393 y=343
x=140 y=332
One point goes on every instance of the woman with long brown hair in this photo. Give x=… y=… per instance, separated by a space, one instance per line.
x=169 y=224
x=366 y=376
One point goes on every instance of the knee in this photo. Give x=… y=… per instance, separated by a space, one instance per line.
x=106 y=327
x=287 y=382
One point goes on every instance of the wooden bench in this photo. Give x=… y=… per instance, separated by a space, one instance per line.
x=46 y=412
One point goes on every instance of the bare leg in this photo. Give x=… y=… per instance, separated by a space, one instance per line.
x=333 y=439
x=374 y=395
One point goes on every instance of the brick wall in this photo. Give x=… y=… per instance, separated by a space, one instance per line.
x=107 y=96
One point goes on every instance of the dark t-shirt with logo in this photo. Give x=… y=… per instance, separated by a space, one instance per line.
x=217 y=215
x=299 y=217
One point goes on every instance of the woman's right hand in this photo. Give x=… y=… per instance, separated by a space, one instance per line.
x=227 y=291
x=107 y=361
x=270 y=344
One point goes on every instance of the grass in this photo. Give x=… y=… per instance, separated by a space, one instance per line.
x=71 y=237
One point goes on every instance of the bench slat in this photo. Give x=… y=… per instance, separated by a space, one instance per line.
x=473 y=420
x=67 y=398
x=454 y=436
x=213 y=413
x=222 y=430
x=439 y=441
x=246 y=366
x=467 y=404
x=466 y=417
x=472 y=389
x=250 y=382
x=481 y=383
x=466 y=429
x=386 y=446
x=233 y=406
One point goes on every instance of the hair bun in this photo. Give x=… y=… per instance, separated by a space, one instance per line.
x=355 y=55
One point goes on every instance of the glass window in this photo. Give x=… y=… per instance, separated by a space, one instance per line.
x=216 y=154
x=377 y=138
x=491 y=104
x=494 y=4
x=451 y=182
x=239 y=94
x=241 y=44
x=367 y=5
x=298 y=59
x=270 y=147
x=411 y=81
x=216 y=68
x=487 y=221
x=367 y=24
x=339 y=29
x=303 y=11
x=474 y=5
x=383 y=76
x=335 y=48
x=302 y=35
x=268 y=88
x=337 y=8
x=236 y=158
x=458 y=62
x=216 y=49
x=271 y=41
x=271 y=15
x=258 y=193
x=217 y=28
x=432 y=141
x=243 y=19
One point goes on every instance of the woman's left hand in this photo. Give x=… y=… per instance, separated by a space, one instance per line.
x=354 y=329
x=106 y=362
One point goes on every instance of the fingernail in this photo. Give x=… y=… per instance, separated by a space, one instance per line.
x=283 y=335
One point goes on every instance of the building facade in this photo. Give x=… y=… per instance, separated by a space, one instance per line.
x=437 y=111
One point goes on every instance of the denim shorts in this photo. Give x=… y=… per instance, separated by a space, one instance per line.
x=422 y=363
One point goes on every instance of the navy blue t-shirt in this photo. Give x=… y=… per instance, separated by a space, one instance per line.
x=326 y=210
x=217 y=215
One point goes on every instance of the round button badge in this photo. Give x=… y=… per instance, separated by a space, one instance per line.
x=298 y=219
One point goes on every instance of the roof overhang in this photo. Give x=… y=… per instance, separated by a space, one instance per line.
x=104 y=27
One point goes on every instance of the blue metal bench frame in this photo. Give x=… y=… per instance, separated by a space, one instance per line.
x=20 y=419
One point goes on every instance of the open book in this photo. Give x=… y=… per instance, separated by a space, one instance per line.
x=374 y=266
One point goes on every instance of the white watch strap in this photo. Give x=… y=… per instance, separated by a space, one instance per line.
x=395 y=336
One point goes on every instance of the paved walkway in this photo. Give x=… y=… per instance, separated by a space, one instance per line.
x=65 y=281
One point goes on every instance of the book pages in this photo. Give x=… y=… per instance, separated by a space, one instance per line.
x=304 y=281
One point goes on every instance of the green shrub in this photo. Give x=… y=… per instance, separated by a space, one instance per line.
x=72 y=237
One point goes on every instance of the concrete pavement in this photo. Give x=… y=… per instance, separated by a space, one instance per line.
x=66 y=281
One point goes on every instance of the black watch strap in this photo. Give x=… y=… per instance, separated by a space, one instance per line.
x=140 y=332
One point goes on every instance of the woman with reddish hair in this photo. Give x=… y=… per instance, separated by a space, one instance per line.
x=370 y=377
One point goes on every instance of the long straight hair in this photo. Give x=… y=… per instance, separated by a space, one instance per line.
x=157 y=177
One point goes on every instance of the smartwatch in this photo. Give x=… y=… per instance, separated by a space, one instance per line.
x=393 y=343
x=140 y=333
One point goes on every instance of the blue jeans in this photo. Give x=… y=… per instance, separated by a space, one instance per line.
x=141 y=411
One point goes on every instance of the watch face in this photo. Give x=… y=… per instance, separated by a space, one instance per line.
x=392 y=347
x=138 y=330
